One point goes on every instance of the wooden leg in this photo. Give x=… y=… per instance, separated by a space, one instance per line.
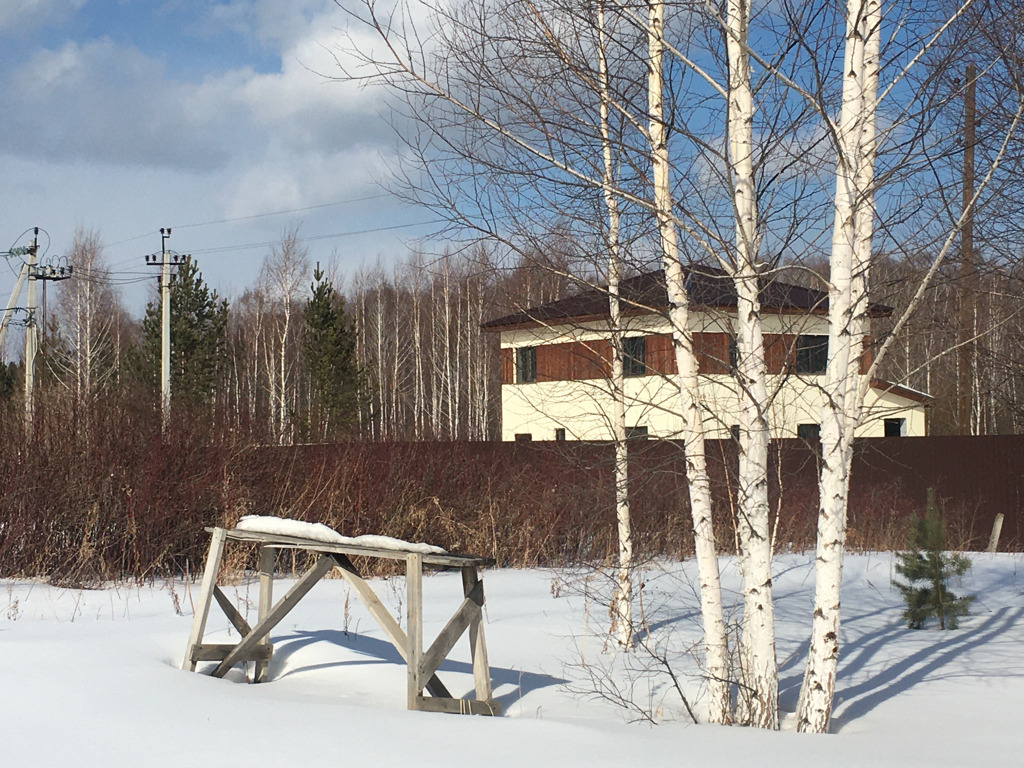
x=477 y=643
x=268 y=555
x=205 y=597
x=385 y=620
x=291 y=598
x=414 y=613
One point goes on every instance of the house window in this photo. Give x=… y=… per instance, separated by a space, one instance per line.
x=634 y=356
x=560 y=434
x=524 y=438
x=811 y=354
x=808 y=431
x=895 y=427
x=636 y=433
x=526 y=365
x=734 y=431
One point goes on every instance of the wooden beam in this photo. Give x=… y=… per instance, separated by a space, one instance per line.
x=477 y=642
x=237 y=619
x=280 y=610
x=384 y=619
x=220 y=651
x=205 y=596
x=414 y=622
x=312 y=545
x=459 y=706
x=452 y=631
x=268 y=556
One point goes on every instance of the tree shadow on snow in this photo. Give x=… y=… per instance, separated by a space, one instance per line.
x=372 y=650
x=896 y=676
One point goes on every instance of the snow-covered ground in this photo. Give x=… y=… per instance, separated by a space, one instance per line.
x=92 y=678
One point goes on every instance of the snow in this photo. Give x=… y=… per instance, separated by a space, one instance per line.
x=91 y=678
x=281 y=526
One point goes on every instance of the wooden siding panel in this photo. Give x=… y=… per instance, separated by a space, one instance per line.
x=780 y=352
x=661 y=357
x=591 y=359
x=867 y=356
x=712 y=350
x=553 y=362
x=505 y=355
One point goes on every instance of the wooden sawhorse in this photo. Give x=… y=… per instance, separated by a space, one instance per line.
x=422 y=665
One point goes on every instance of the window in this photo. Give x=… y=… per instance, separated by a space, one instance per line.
x=808 y=431
x=560 y=434
x=734 y=356
x=734 y=430
x=811 y=354
x=526 y=365
x=524 y=438
x=895 y=427
x=634 y=356
x=636 y=433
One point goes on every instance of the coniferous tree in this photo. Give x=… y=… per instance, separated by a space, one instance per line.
x=927 y=568
x=198 y=329
x=8 y=381
x=329 y=351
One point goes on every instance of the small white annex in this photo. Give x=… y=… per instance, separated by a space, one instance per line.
x=555 y=365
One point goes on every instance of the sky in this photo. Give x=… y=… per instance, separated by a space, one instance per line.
x=216 y=119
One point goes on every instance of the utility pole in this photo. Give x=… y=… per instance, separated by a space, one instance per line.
x=31 y=332
x=966 y=357
x=167 y=259
x=5 y=319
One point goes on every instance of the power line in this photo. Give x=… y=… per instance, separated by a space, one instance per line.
x=313 y=238
x=258 y=216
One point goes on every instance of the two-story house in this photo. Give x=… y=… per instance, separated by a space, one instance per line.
x=556 y=364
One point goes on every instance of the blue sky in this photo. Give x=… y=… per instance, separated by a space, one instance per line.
x=124 y=116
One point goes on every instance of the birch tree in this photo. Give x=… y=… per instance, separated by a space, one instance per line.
x=88 y=314
x=850 y=264
x=698 y=482
x=759 y=696
x=282 y=277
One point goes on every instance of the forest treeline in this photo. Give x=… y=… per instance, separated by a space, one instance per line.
x=309 y=354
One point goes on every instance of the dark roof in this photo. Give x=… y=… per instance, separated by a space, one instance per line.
x=646 y=293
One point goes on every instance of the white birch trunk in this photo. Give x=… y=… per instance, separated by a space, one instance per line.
x=851 y=245
x=715 y=643
x=622 y=602
x=758 y=697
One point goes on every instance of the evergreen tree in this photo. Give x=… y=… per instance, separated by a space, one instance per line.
x=9 y=381
x=329 y=352
x=198 y=329
x=927 y=568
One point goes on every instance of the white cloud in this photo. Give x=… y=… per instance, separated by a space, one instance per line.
x=18 y=17
x=102 y=135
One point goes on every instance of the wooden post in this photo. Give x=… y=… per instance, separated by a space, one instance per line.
x=268 y=555
x=414 y=615
x=477 y=644
x=205 y=597
x=997 y=528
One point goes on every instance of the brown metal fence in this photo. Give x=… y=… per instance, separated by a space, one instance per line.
x=135 y=512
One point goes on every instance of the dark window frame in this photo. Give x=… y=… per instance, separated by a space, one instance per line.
x=808 y=431
x=639 y=432
x=811 y=354
x=526 y=365
x=896 y=427
x=634 y=356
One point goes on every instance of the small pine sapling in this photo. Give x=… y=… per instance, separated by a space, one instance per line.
x=927 y=568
